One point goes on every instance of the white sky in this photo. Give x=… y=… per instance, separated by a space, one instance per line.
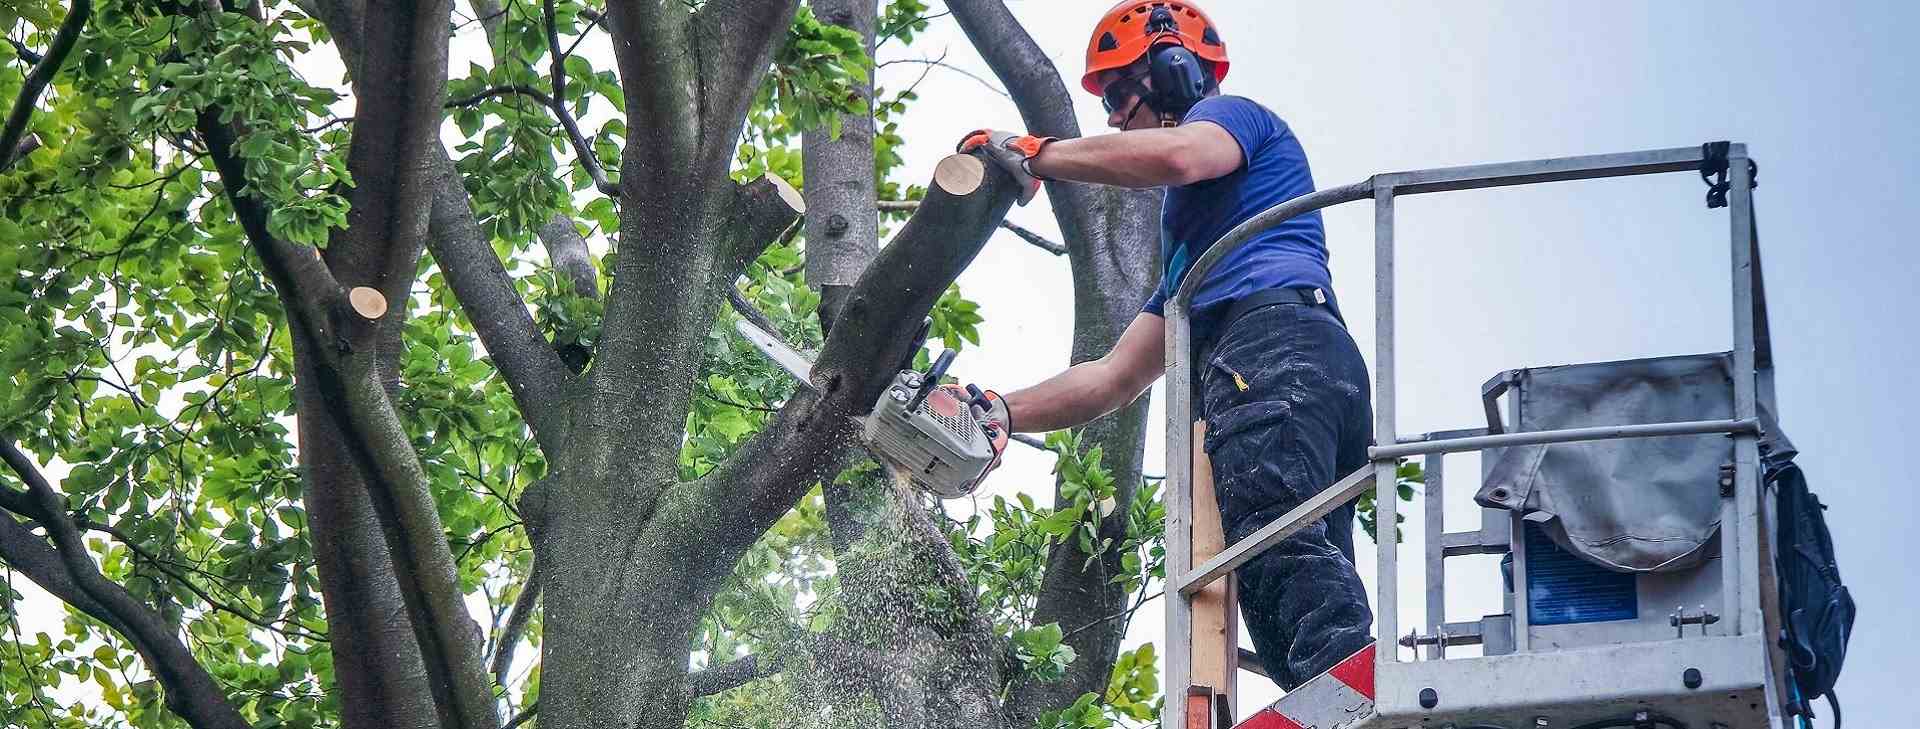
x=1570 y=272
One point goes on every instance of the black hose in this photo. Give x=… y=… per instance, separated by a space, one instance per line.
x=1634 y=722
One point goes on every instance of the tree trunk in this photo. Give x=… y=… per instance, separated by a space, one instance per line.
x=378 y=670
x=916 y=641
x=1112 y=238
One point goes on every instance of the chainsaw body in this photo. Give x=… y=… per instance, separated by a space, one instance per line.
x=937 y=441
x=933 y=439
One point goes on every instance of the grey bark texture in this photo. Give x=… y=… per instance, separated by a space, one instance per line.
x=382 y=678
x=926 y=663
x=400 y=61
x=1112 y=239
x=843 y=224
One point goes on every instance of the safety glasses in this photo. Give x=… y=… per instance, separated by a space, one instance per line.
x=1116 y=94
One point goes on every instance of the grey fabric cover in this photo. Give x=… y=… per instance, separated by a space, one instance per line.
x=1633 y=505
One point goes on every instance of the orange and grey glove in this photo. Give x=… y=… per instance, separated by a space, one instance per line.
x=1013 y=153
x=988 y=406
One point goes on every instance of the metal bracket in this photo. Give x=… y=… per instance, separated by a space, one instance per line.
x=1713 y=171
x=1679 y=619
x=1490 y=398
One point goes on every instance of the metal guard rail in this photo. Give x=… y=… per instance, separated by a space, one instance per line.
x=1751 y=348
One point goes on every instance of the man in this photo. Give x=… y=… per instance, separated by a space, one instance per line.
x=1281 y=385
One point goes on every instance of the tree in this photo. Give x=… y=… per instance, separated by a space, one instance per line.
x=205 y=260
x=256 y=258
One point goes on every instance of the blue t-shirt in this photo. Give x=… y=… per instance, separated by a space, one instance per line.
x=1290 y=255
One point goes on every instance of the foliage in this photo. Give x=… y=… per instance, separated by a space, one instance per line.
x=1408 y=473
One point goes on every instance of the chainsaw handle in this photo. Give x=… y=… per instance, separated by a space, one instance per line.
x=931 y=379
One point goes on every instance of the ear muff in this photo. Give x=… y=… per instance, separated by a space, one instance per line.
x=1179 y=81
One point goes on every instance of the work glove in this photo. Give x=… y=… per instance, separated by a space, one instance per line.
x=999 y=422
x=1011 y=152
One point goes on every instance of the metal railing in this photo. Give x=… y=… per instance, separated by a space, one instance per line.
x=1742 y=585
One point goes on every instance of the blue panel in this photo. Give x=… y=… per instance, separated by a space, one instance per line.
x=1562 y=588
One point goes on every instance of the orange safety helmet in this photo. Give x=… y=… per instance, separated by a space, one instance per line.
x=1122 y=38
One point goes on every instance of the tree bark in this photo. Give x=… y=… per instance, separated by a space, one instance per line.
x=922 y=661
x=379 y=672
x=843 y=230
x=625 y=592
x=1112 y=239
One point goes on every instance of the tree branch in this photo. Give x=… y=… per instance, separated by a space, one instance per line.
x=771 y=470
x=517 y=620
x=567 y=252
x=526 y=715
x=527 y=361
x=559 y=71
x=659 y=77
x=738 y=38
x=728 y=676
x=937 y=63
x=1112 y=239
x=1038 y=240
x=401 y=78
x=23 y=52
x=191 y=691
x=204 y=596
x=762 y=211
x=483 y=283
x=741 y=306
x=555 y=104
x=501 y=90
x=19 y=503
x=38 y=79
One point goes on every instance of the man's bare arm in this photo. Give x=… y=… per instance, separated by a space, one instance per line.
x=1091 y=389
x=1143 y=158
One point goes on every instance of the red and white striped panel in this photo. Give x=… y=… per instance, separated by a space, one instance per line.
x=1341 y=697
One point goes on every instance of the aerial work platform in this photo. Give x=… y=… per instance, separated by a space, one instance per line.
x=1624 y=497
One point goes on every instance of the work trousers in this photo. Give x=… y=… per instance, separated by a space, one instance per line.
x=1289 y=411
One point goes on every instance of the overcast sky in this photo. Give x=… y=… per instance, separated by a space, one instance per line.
x=1822 y=93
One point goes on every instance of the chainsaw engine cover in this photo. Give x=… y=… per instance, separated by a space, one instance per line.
x=939 y=445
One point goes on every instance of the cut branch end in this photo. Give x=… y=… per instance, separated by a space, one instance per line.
x=787 y=193
x=367 y=302
x=959 y=174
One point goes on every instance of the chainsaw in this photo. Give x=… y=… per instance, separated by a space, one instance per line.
x=925 y=435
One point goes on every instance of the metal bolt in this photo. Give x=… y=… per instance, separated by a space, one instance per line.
x=1429 y=698
x=1541 y=721
x=899 y=395
x=1500 y=494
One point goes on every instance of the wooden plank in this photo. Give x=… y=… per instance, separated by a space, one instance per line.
x=1216 y=634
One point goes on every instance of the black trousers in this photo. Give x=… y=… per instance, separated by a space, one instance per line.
x=1289 y=411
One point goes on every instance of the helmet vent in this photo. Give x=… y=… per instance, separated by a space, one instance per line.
x=1107 y=43
x=1209 y=37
